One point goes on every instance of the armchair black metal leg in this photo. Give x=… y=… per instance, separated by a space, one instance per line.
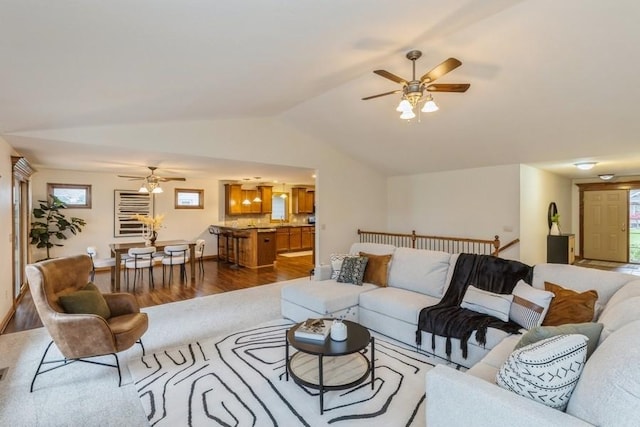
x=39 y=366
x=118 y=368
x=141 y=345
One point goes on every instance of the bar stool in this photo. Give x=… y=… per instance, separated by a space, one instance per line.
x=237 y=236
x=216 y=232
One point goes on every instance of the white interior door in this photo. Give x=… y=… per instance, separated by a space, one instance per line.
x=605 y=225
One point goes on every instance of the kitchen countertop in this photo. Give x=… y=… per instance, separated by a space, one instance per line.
x=261 y=227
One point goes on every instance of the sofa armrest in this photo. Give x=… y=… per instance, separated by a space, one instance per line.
x=322 y=272
x=456 y=399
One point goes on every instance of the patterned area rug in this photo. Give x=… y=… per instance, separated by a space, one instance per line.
x=239 y=379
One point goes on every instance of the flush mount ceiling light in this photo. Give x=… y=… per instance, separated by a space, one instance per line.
x=606 y=176
x=413 y=90
x=585 y=166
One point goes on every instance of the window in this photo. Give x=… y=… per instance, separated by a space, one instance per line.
x=189 y=198
x=280 y=207
x=72 y=195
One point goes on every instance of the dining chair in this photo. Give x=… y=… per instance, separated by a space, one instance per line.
x=175 y=255
x=139 y=259
x=99 y=262
x=199 y=249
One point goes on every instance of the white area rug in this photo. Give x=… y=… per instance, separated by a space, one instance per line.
x=296 y=254
x=238 y=379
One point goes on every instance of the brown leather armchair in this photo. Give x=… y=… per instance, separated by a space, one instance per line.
x=82 y=336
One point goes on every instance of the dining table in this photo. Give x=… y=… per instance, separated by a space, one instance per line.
x=118 y=249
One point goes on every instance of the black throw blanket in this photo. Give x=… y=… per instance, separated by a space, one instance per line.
x=448 y=320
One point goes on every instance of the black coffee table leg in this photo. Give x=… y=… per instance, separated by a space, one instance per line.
x=373 y=362
x=286 y=355
x=321 y=389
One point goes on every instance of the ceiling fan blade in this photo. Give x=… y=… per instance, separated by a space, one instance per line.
x=391 y=76
x=382 y=94
x=131 y=177
x=165 y=179
x=448 y=87
x=440 y=70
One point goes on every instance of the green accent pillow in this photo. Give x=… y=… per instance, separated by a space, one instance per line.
x=590 y=330
x=91 y=287
x=85 y=302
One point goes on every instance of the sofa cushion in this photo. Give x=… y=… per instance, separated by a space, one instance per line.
x=568 y=306
x=581 y=279
x=546 y=371
x=530 y=305
x=352 y=270
x=590 y=330
x=397 y=303
x=481 y=301
x=419 y=271
x=630 y=290
x=608 y=393
x=372 y=248
x=377 y=270
x=326 y=296
x=619 y=315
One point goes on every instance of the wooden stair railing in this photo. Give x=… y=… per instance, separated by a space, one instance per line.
x=451 y=245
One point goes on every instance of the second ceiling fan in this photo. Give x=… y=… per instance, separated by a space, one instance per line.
x=413 y=90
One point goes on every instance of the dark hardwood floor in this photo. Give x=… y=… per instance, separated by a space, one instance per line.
x=218 y=277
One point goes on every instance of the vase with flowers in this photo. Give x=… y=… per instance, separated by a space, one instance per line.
x=555 y=225
x=150 y=227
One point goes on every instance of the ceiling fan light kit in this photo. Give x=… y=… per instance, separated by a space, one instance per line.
x=151 y=183
x=413 y=90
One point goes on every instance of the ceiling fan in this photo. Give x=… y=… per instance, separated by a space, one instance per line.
x=151 y=182
x=413 y=90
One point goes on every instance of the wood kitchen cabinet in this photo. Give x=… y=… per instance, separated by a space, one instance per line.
x=302 y=199
x=282 y=239
x=233 y=199
x=266 y=192
x=295 y=238
x=252 y=207
x=308 y=237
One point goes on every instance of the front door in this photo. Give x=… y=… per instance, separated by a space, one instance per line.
x=605 y=225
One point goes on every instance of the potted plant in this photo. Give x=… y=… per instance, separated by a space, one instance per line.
x=51 y=224
x=555 y=225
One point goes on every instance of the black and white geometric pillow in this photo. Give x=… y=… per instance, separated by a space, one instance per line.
x=546 y=371
x=336 y=261
x=352 y=270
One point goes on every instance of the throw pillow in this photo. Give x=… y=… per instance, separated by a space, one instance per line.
x=353 y=270
x=569 y=306
x=546 y=371
x=590 y=330
x=336 y=263
x=496 y=305
x=530 y=305
x=377 y=270
x=85 y=302
x=91 y=287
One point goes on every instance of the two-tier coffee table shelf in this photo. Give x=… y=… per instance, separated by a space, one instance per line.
x=331 y=365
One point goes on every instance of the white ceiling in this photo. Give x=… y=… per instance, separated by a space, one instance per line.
x=552 y=83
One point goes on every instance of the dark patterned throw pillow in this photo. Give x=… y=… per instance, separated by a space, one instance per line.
x=352 y=270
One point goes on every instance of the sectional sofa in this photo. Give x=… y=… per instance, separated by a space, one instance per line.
x=608 y=392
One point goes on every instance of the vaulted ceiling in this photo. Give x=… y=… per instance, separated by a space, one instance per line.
x=552 y=83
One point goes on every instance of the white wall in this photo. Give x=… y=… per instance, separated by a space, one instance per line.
x=538 y=188
x=349 y=195
x=178 y=224
x=6 y=233
x=477 y=203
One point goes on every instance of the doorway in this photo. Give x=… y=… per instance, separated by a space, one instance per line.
x=20 y=222
x=634 y=226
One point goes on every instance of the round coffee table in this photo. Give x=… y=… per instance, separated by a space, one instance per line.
x=340 y=364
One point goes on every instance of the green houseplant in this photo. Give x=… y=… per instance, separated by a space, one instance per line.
x=50 y=224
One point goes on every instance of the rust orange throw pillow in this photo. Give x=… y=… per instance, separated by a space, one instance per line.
x=569 y=306
x=377 y=270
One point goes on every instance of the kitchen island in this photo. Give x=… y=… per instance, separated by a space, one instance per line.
x=257 y=246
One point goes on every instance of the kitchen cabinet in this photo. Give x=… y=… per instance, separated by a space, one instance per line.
x=282 y=239
x=233 y=199
x=302 y=199
x=295 y=238
x=235 y=196
x=266 y=247
x=561 y=249
x=308 y=237
x=266 y=192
